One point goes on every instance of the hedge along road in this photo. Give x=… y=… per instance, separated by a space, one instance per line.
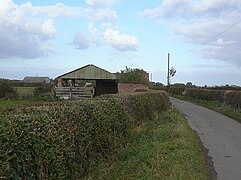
x=219 y=134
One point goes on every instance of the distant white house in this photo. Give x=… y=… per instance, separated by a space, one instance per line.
x=44 y=80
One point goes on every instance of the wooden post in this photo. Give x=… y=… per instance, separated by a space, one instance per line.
x=60 y=82
x=70 y=89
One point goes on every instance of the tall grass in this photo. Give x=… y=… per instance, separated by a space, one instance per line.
x=165 y=148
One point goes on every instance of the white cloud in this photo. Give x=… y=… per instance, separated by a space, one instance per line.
x=94 y=34
x=100 y=3
x=48 y=28
x=199 y=22
x=26 y=30
x=81 y=41
x=101 y=15
x=221 y=42
x=93 y=30
x=121 y=42
x=58 y=10
x=101 y=11
x=173 y=9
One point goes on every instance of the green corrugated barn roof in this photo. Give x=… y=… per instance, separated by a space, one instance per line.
x=88 y=72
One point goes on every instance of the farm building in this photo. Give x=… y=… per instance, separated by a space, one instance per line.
x=37 y=80
x=90 y=76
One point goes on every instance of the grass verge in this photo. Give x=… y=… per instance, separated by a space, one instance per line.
x=216 y=106
x=165 y=148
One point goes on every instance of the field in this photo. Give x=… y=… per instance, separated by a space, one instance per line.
x=25 y=91
x=25 y=99
x=121 y=136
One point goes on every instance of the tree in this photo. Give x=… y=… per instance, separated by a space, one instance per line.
x=135 y=76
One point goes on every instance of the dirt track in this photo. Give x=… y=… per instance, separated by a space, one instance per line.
x=219 y=134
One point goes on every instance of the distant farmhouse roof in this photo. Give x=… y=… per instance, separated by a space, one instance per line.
x=88 y=72
x=36 y=80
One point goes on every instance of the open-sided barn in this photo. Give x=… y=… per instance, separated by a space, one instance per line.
x=101 y=80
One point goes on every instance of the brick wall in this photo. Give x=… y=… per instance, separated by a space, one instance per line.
x=131 y=88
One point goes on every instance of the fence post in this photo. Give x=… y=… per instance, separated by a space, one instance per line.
x=70 y=90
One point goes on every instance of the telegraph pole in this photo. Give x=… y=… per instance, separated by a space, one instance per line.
x=168 y=70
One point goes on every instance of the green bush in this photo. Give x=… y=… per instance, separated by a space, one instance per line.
x=232 y=98
x=7 y=91
x=66 y=140
x=43 y=90
x=134 y=76
x=204 y=94
x=144 y=106
x=177 y=90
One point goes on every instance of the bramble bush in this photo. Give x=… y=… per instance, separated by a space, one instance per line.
x=66 y=140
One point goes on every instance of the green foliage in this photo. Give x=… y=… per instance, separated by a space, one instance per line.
x=230 y=97
x=223 y=108
x=66 y=140
x=25 y=91
x=135 y=76
x=62 y=140
x=165 y=148
x=177 y=90
x=43 y=90
x=233 y=98
x=157 y=86
x=7 y=91
x=145 y=106
x=205 y=94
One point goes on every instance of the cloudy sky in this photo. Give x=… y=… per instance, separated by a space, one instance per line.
x=52 y=37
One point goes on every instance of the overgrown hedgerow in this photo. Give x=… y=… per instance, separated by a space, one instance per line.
x=67 y=139
x=229 y=97
x=143 y=106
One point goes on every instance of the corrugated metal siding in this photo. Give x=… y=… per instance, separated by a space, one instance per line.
x=89 y=72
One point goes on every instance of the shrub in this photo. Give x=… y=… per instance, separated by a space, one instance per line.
x=65 y=140
x=232 y=98
x=177 y=90
x=146 y=106
x=43 y=90
x=7 y=90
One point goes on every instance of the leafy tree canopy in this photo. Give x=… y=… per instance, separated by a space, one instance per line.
x=133 y=75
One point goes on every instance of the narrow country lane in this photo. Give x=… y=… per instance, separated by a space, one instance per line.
x=219 y=134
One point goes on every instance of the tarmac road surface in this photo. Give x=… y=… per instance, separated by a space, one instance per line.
x=219 y=134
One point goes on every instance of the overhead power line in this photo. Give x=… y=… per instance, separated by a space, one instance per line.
x=225 y=30
x=215 y=36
